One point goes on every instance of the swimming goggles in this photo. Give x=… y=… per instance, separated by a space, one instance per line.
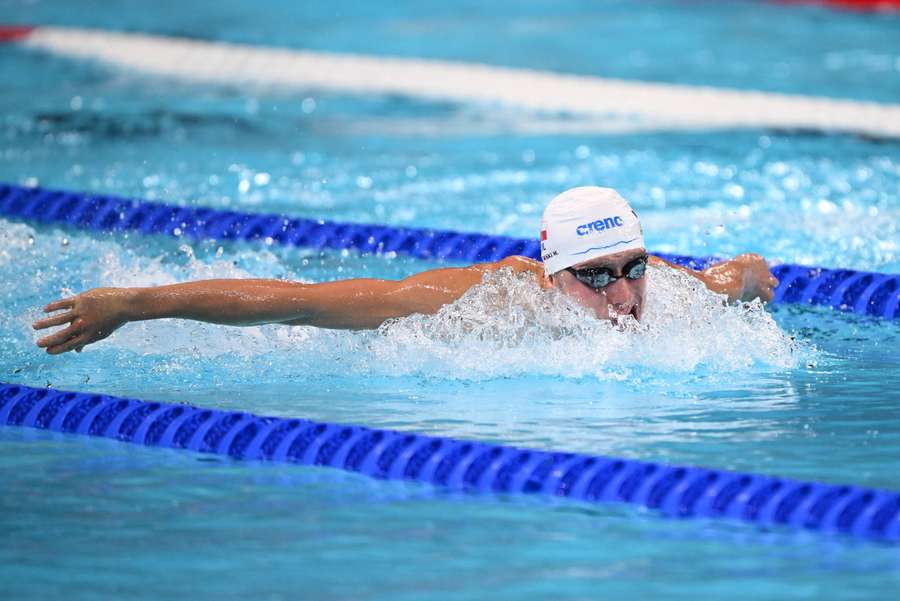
x=601 y=277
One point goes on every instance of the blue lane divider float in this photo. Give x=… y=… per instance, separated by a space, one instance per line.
x=867 y=293
x=462 y=465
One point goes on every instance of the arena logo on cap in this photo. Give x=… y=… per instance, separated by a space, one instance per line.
x=598 y=226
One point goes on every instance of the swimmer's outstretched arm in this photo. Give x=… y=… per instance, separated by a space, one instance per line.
x=349 y=304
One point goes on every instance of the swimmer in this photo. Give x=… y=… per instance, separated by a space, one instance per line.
x=592 y=249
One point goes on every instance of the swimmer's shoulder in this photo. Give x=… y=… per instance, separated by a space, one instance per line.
x=516 y=263
x=520 y=264
x=462 y=278
x=448 y=284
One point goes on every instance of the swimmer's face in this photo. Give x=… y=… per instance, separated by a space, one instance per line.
x=623 y=296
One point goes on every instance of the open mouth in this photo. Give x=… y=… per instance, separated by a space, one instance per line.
x=635 y=312
x=619 y=316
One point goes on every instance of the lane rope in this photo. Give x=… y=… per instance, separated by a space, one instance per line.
x=620 y=104
x=463 y=465
x=866 y=293
x=857 y=5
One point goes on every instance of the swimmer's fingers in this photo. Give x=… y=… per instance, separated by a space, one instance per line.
x=76 y=343
x=770 y=286
x=56 y=320
x=766 y=293
x=64 y=303
x=58 y=338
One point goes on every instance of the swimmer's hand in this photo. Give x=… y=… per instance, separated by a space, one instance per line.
x=743 y=278
x=90 y=316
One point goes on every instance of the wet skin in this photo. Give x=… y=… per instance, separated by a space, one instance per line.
x=363 y=303
x=623 y=296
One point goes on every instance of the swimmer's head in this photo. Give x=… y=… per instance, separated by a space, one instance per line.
x=590 y=236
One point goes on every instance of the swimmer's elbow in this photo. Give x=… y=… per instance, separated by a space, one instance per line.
x=363 y=304
x=359 y=304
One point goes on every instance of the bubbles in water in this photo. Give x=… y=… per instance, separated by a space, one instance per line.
x=505 y=327
x=14 y=238
x=509 y=326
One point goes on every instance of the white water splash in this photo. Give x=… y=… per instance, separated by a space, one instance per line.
x=507 y=326
x=510 y=326
x=15 y=240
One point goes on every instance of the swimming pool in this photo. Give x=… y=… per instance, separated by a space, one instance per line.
x=156 y=523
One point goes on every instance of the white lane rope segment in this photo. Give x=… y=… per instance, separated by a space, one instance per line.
x=645 y=105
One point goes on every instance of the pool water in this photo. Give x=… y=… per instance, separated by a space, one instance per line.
x=787 y=390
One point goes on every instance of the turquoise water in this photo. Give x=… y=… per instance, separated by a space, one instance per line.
x=789 y=391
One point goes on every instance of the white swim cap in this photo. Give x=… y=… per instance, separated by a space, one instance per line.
x=585 y=223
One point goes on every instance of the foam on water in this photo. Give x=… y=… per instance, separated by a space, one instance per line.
x=507 y=326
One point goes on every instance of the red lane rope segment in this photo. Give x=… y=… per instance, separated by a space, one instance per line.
x=11 y=33
x=858 y=5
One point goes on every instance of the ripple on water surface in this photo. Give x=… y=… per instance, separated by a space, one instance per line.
x=696 y=381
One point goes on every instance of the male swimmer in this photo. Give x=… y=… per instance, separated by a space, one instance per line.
x=592 y=246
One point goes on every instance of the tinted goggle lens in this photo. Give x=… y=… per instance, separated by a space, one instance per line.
x=600 y=277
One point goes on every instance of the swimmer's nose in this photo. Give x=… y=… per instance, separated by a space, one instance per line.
x=619 y=293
